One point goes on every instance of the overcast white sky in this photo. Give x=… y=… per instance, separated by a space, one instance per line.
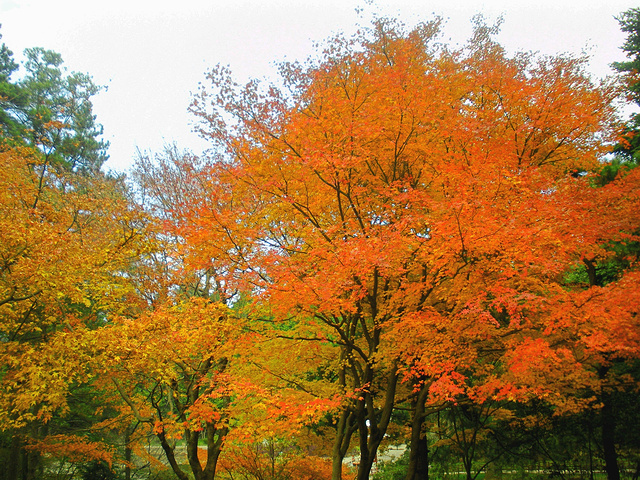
x=152 y=54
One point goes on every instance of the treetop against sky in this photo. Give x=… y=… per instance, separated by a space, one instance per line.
x=151 y=55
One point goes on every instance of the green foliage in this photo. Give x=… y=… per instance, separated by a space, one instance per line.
x=630 y=24
x=7 y=64
x=606 y=271
x=58 y=112
x=623 y=161
x=9 y=93
x=96 y=471
x=629 y=146
x=394 y=470
x=51 y=110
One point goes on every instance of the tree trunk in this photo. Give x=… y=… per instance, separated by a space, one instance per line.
x=608 y=423
x=418 y=468
x=344 y=431
x=14 y=458
x=367 y=456
x=127 y=454
x=608 y=439
x=372 y=435
x=215 y=441
x=191 y=439
x=169 y=453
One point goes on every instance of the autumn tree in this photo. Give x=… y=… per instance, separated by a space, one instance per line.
x=169 y=369
x=67 y=239
x=418 y=207
x=523 y=311
x=269 y=403
x=69 y=234
x=163 y=181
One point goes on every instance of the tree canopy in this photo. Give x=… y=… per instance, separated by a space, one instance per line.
x=396 y=242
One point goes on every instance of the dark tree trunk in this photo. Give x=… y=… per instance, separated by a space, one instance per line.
x=418 y=468
x=23 y=464
x=15 y=454
x=344 y=431
x=127 y=454
x=171 y=458
x=422 y=460
x=607 y=414
x=608 y=425
x=371 y=436
x=215 y=441
x=608 y=439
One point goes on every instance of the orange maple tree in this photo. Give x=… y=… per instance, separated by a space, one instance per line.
x=417 y=207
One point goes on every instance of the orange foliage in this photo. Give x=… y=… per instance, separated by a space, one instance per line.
x=71 y=448
x=409 y=211
x=275 y=461
x=417 y=209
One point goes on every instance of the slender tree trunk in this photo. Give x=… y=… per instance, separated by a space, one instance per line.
x=272 y=454
x=366 y=456
x=24 y=464
x=467 y=469
x=608 y=423
x=371 y=436
x=336 y=465
x=344 y=431
x=590 y=445
x=215 y=441
x=418 y=468
x=127 y=453
x=607 y=415
x=127 y=467
x=608 y=439
x=191 y=439
x=170 y=454
x=14 y=458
